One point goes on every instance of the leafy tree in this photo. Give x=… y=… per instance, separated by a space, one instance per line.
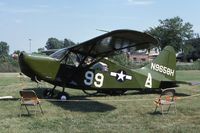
x=68 y=43
x=17 y=52
x=4 y=49
x=7 y=63
x=172 y=32
x=40 y=49
x=192 y=48
x=194 y=42
x=53 y=43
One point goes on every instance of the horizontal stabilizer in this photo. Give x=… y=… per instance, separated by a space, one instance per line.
x=194 y=83
x=187 y=83
x=6 y=97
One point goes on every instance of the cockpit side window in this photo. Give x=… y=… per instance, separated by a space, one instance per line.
x=59 y=54
x=72 y=59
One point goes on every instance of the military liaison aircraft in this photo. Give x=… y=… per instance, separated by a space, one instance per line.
x=85 y=67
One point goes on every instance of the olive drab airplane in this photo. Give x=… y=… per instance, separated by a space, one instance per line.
x=85 y=66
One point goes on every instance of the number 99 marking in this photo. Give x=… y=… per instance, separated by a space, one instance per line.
x=89 y=77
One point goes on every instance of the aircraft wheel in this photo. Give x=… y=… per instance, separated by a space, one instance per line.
x=171 y=92
x=63 y=96
x=191 y=60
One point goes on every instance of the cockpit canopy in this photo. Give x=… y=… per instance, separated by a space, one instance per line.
x=59 y=54
x=112 y=43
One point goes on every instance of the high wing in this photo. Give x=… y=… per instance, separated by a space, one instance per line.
x=114 y=41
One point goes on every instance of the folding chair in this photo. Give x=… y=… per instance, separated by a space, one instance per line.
x=166 y=100
x=29 y=98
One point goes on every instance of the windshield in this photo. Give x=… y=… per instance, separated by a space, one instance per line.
x=59 y=54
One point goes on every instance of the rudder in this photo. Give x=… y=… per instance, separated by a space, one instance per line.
x=165 y=63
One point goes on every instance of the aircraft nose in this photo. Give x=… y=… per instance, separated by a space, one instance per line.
x=21 y=60
x=24 y=66
x=22 y=63
x=21 y=56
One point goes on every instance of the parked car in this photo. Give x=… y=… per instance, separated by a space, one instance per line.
x=192 y=56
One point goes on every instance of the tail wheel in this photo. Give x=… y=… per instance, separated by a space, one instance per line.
x=170 y=92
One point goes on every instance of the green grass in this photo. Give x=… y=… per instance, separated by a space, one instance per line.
x=188 y=75
x=101 y=113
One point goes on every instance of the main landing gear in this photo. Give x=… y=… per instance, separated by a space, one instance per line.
x=49 y=93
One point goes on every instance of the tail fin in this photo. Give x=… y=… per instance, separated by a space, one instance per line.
x=165 y=63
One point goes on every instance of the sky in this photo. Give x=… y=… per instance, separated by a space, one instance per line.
x=77 y=20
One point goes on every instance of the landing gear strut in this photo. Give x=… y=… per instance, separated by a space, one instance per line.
x=49 y=93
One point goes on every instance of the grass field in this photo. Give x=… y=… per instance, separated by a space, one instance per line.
x=130 y=113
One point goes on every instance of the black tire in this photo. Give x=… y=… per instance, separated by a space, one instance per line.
x=170 y=92
x=63 y=96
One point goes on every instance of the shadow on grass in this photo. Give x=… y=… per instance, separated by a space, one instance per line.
x=155 y=113
x=39 y=92
x=76 y=103
x=85 y=106
x=159 y=113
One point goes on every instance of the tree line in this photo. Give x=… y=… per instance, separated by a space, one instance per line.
x=53 y=43
x=173 y=31
x=177 y=33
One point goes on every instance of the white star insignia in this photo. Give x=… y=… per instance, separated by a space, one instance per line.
x=121 y=76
